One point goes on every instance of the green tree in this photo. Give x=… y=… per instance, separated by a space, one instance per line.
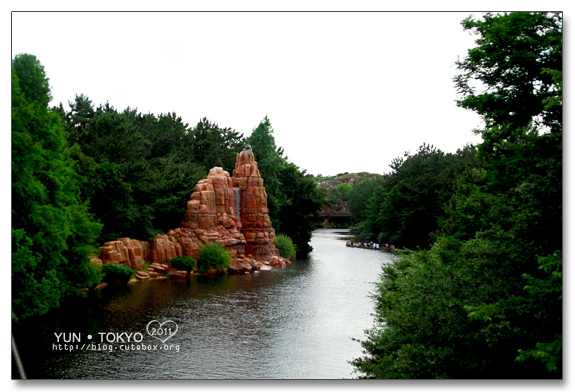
x=53 y=232
x=545 y=297
x=501 y=230
x=360 y=195
x=303 y=201
x=169 y=172
x=78 y=123
x=110 y=197
x=341 y=192
x=270 y=161
x=511 y=52
x=215 y=146
x=406 y=207
x=422 y=325
x=139 y=169
x=32 y=79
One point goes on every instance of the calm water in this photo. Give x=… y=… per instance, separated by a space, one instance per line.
x=294 y=323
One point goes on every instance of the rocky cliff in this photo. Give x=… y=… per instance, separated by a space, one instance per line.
x=256 y=224
x=229 y=210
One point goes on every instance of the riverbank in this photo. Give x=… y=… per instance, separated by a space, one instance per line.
x=161 y=271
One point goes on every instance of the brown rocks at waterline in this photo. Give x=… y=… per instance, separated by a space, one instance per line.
x=142 y=275
x=125 y=251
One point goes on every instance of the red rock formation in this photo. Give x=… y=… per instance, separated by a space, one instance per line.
x=256 y=225
x=212 y=203
x=211 y=216
x=125 y=251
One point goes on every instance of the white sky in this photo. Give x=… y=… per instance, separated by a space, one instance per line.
x=344 y=91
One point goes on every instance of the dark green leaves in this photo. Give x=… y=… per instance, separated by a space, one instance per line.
x=53 y=232
x=513 y=49
x=407 y=205
x=33 y=81
x=215 y=146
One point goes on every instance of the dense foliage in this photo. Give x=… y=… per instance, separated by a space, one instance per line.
x=215 y=146
x=214 y=256
x=183 y=263
x=285 y=246
x=139 y=169
x=52 y=230
x=486 y=300
x=114 y=273
x=403 y=207
x=341 y=192
x=359 y=196
x=511 y=53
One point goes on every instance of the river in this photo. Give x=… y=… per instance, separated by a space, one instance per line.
x=293 y=323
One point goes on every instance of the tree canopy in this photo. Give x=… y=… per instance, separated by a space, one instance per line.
x=52 y=230
x=404 y=206
x=139 y=168
x=32 y=79
x=512 y=53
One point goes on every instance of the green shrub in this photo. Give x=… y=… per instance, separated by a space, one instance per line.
x=214 y=255
x=95 y=274
x=285 y=246
x=183 y=263
x=115 y=272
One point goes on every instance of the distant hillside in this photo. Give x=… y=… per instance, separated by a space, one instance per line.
x=330 y=182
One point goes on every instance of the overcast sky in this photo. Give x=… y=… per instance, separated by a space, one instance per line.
x=345 y=92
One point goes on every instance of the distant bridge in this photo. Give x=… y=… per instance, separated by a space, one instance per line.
x=334 y=212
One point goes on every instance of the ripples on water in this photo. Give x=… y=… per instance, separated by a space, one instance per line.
x=294 y=323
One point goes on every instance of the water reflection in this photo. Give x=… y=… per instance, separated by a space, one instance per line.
x=291 y=323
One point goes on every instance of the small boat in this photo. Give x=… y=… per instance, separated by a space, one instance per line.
x=391 y=249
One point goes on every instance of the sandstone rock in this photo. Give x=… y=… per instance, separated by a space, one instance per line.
x=177 y=274
x=125 y=251
x=240 y=265
x=256 y=223
x=158 y=268
x=229 y=210
x=255 y=264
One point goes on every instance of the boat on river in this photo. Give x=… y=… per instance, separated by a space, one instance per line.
x=391 y=249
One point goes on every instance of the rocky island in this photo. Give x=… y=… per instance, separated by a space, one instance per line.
x=231 y=211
